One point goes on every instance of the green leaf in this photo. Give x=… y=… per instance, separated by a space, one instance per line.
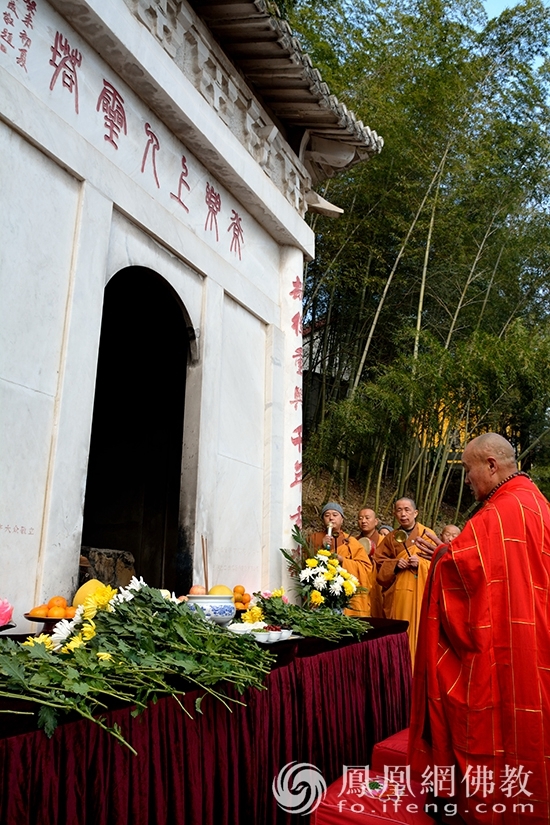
x=13 y=669
x=47 y=719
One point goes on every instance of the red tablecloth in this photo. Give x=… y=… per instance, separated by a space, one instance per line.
x=327 y=709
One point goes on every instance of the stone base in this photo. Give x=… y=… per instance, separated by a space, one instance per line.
x=114 y=567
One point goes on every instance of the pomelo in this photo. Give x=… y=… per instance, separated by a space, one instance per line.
x=86 y=590
x=220 y=590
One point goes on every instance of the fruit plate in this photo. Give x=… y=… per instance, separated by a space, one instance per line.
x=48 y=623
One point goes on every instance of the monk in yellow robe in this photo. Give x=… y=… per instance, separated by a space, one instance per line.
x=351 y=555
x=402 y=571
x=370 y=538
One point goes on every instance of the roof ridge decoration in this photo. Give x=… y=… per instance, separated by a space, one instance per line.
x=324 y=133
x=363 y=133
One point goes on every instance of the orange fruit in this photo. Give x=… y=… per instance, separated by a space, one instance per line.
x=239 y=606
x=70 y=612
x=56 y=613
x=41 y=611
x=57 y=601
x=246 y=598
x=238 y=589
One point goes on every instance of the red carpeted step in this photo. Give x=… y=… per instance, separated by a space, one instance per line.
x=370 y=805
x=392 y=751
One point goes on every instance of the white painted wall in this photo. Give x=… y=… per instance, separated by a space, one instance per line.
x=75 y=211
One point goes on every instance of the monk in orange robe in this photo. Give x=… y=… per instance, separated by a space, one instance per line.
x=402 y=571
x=351 y=555
x=481 y=694
x=370 y=538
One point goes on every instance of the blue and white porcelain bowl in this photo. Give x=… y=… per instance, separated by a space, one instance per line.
x=219 y=609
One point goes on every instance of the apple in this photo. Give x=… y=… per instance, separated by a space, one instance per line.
x=197 y=590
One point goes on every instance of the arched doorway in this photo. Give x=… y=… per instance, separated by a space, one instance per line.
x=134 y=471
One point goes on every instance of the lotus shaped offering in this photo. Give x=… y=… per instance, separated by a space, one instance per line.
x=6 y=611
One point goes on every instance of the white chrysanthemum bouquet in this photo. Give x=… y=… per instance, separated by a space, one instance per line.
x=323 y=581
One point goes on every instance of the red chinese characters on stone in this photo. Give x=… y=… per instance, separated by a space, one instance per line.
x=8 y=19
x=296 y=291
x=153 y=143
x=111 y=104
x=299 y=359
x=23 y=531
x=13 y=8
x=297 y=517
x=7 y=37
x=65 y=61
x=214 y=203
x=297 y=474
x=182 y=182
x=297 y=397
x=297 y=439
x=31 y=11
x=237 y=238
x=297 y=323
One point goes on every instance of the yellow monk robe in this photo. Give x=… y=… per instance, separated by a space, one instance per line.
x=402 y=592
x=376 y=608
x=357 y=562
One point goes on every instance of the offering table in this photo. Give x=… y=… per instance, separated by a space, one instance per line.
x=325 y=704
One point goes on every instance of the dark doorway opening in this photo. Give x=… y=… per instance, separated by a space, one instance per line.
x=134 y=471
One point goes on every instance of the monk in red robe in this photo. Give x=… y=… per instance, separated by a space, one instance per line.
x=481 y=696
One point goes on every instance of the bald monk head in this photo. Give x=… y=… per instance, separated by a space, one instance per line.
x=488 y=460
x=367 y=522
x=449 y=532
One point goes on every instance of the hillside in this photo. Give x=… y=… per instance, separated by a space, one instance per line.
x=316 y=492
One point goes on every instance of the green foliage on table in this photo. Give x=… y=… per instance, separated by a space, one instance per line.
x=140 y=649
x=322 y=622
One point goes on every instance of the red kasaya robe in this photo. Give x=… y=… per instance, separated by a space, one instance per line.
x=481 y=694
x=357 y=562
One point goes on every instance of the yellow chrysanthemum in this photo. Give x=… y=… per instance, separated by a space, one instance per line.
x=104 y=657
x=43 y=639
x=316 y=598
x=326 y=553
x=90 y=609
x=333 y=562
x=278 y=593
x=103 y=595
x=312 y=562
x=88 y=630
x=344 y=573
x=253 y=614
x=76 y=641
x=349 y=588
x=329 y=575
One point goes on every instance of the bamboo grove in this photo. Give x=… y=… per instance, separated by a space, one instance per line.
x=426 y=310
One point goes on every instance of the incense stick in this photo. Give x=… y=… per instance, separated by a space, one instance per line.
x=205 y=561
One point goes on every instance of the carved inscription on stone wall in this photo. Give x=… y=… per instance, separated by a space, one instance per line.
x=186 y=40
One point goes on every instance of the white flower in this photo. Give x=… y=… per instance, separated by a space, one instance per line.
x=335 y=587
x=319 y=582
x=307 y=573
x=61 y=632
x=137 y=584
x=125 y=595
